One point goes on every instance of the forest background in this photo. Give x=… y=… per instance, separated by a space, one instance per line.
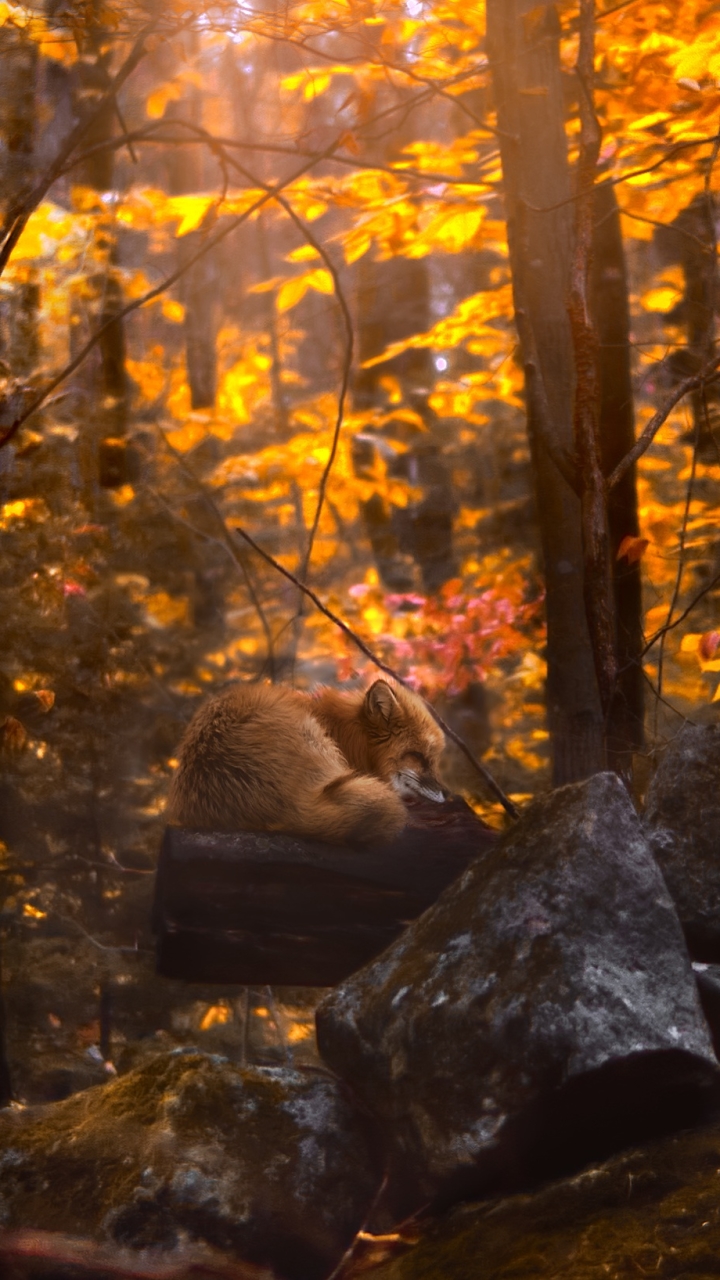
x=420 y=295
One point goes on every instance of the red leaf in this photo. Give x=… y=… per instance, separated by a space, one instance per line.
x=708 y=645
x=632 y=548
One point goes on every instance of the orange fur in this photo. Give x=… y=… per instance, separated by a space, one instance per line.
x=328 y=765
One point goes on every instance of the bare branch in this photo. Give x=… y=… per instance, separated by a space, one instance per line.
x=709 y=373
x=485 y=774
x=634 y=173
x=349 y=340
x=670 y=626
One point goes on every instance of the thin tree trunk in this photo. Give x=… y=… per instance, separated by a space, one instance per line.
x=199 y=284
x=18 y=124
x=525 y=63
x=104 y=455
x=609 y=303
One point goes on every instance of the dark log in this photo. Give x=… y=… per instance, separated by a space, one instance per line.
x=253 y=908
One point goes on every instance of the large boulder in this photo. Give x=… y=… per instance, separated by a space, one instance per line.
x=269 y=1163
x=682 y=817
x=542 y=1013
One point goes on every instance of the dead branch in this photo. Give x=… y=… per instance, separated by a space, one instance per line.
x=485 y=774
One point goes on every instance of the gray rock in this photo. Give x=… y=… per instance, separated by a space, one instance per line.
x=682 y=818
x=269 y=1163
x=542 y=1013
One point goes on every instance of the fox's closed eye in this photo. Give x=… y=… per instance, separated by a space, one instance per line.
x=419 y=758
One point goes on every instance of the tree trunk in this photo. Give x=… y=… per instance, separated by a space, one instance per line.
x=393 y=303
x=524 y=56
x=609 y=302
x=199 y=285
x=19 y=348
x=104 y=455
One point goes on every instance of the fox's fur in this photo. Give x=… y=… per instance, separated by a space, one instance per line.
x=329 y=765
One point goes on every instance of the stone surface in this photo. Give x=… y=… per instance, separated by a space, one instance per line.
x=650 y=1212
x=542 y=1013
x=682 y=818
x=269 y=1163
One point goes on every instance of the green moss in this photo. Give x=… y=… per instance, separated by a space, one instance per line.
x=652 y=1212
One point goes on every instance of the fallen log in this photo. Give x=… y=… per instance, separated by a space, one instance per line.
x=253 y=908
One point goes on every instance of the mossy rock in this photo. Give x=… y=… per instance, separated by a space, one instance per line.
x=269 y=1163
x=653 y=1212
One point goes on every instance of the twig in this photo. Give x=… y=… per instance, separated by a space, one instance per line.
x=485 y=774
x=348 y=357
x=632 y=173
x=670 y=626
x=709 y=373
x=148 y=134
x=165 y=284
x=348 y=1254
x=664 y=701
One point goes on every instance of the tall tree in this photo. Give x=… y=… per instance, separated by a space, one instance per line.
x=523 y=43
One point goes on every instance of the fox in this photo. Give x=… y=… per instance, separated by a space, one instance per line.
x=331 y=765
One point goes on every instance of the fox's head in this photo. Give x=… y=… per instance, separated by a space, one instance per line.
x=405 y=742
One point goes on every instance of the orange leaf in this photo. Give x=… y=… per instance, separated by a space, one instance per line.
x=45 y=697
x=632 y=548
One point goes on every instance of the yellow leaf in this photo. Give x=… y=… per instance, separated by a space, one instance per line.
x=315 y=85
x=305 y=253
x=215 y=1016
x=173 y=311
x=662 y=299
x=646 y=122
x=321 y=280
x=292 y=292
x=295 y=289
x=190 y=210
x=33 y=913
x=122 y=496
x=163 y=610
x=158 y=100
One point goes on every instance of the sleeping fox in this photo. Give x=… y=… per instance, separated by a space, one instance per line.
x=330 y=765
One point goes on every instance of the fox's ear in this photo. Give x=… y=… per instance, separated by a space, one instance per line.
x=381 y=703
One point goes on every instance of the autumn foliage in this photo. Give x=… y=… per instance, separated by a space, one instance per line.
x=265 y=282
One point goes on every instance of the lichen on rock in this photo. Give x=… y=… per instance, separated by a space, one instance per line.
x=272 y=1164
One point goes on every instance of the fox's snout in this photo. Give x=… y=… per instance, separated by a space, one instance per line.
x=410 y=784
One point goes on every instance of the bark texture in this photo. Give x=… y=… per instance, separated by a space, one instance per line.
x=524 y=55
x=609 y=305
